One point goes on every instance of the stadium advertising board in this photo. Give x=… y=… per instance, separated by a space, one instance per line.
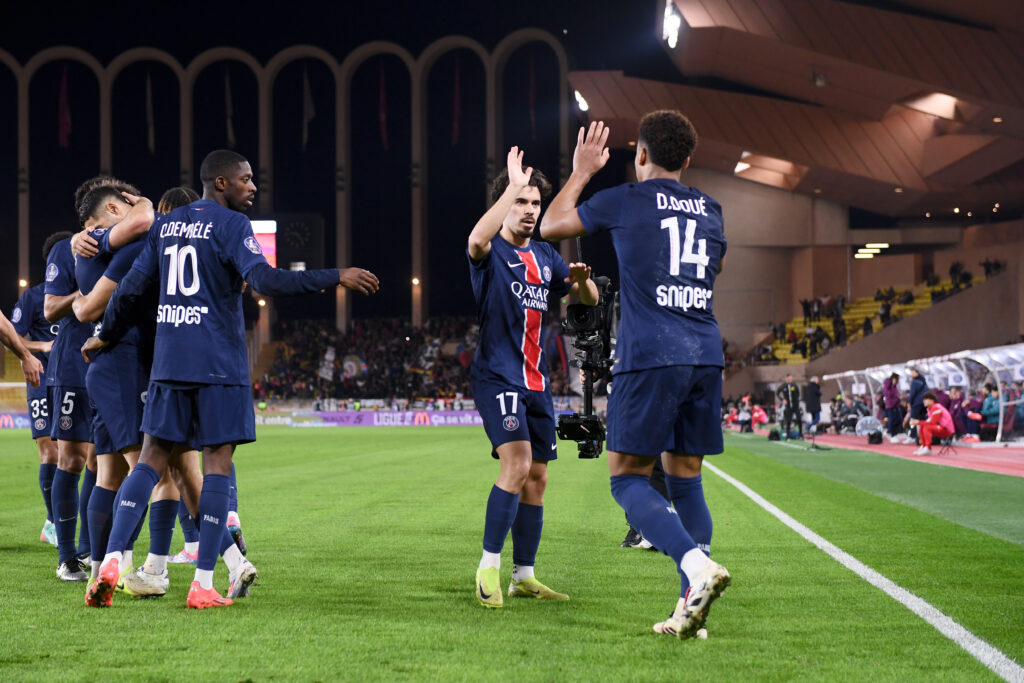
x=14 y=421
x=371 y=418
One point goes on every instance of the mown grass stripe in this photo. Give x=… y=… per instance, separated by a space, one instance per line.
x=992 y=658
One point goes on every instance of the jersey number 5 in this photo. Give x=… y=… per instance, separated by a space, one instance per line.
x=700 y=257
x=180 y=260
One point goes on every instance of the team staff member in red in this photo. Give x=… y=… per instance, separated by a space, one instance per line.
x=939 y=424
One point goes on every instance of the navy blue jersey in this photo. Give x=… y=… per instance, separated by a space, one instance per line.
x=27 y=318
x=200 y=253
x=512 y=286
x=669 y=241
x=67 y=367
x=114 y=265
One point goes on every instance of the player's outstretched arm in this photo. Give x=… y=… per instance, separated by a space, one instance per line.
x=280 y=282
x=479 y=243
x=583 y=288
x=89 y=307
x=562 y=220
x=30 y=365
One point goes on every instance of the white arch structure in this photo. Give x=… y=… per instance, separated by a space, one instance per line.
x=419 y=69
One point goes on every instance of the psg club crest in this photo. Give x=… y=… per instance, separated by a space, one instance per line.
x=547 y=274
x=510 y=423
x=65 y=422
x=16 y=315
x=51 y=272
x=252 y=245
x=40 y=424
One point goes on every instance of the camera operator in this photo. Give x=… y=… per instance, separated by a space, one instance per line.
x=789 y=397
x=667 y=393
x=513 y=279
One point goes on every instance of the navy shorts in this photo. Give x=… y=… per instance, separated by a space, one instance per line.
x=117 y=383
x=512 y=413
x=38 y=409
x=199 y=414
x=676 y=408
x=71 y=414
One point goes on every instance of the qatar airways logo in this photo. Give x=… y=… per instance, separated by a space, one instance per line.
x=531 y=296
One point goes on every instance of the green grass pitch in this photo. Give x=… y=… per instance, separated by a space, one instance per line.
x=367 y=541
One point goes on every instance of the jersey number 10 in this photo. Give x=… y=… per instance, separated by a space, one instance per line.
x=181 y=259
x=700 y=257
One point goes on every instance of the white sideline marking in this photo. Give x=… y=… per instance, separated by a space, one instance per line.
x=993 y=659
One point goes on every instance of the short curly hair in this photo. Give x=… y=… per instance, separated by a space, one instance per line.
x=669 y=137
x=537 y=179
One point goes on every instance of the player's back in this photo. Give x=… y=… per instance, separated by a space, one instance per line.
x=669 y=241
x=28 y=320
x=200 y=327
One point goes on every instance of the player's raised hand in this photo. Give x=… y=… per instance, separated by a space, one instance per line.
x=358 y=279
x=91 y=344
x=517 y=175
x=579 y=272
x=32 y=368
x=84 y=245
x=591 y=149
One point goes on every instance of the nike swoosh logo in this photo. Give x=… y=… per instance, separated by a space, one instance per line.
x=483 y=595
x=67 y=520
x=536 y=592
x=513 y=265
x=554 y=447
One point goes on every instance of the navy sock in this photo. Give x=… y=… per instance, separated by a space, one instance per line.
x=526 y=531
x=46 y=473
x=188 y=523
x=501 y=512
x=64 y=496
x=213 y=513
x=137 y=530
x=226 y=541
x=88 y=482
x=101 y=517
x=130 y=505
x=233 y=491
x=688 y=497
x=162 y=515
x=651 y=515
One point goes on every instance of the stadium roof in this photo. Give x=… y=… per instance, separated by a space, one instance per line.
x=894 y=112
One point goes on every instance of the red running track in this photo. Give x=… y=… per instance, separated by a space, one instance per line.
x=998 y=460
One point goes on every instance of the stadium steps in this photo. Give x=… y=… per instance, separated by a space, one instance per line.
x=854 y=314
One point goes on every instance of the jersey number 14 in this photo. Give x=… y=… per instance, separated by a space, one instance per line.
x=688 y=255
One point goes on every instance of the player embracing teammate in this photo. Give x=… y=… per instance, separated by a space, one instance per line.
x=667 y=380
x=514 y=279
x=199 y=392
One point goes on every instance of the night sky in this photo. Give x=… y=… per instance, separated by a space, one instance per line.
x=603 y=35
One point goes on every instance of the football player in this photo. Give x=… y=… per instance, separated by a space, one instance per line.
x=667 y=379
x=199 y=391
x=514 y=279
